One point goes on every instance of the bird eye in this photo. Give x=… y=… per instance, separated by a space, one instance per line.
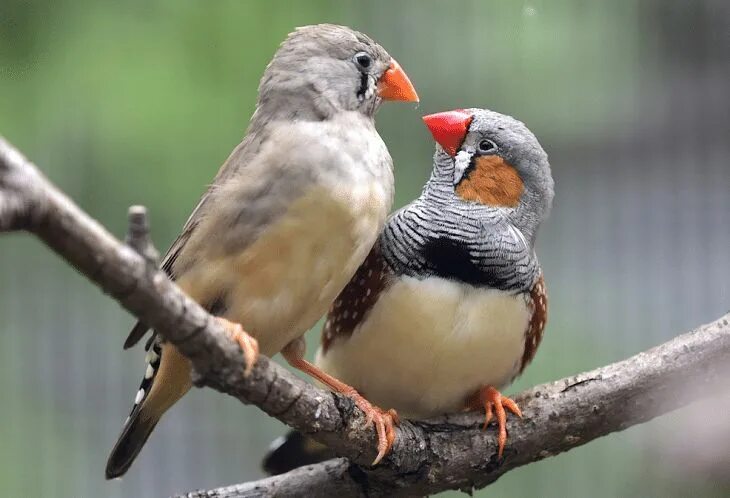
x=363 y=60
x=487 y=146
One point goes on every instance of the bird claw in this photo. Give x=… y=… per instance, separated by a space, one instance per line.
x=249 y=345
x=385 y=422
x=494 y=405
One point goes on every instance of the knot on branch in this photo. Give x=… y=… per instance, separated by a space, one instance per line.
x=138 y=235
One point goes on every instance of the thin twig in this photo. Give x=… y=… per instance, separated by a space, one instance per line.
x=138 y=234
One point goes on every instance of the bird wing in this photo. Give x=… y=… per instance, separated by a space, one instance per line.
x=240 y=156
x=538 y=300
x=262 y=177
x=168 y=261
x=503 y=256
x=140 y=328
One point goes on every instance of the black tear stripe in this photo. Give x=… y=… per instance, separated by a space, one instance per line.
x=363 y=86
x=469 y=167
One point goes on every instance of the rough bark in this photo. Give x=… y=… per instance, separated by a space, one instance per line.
x=330 y=478
x=451 y=452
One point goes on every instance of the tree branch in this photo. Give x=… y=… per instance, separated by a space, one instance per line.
x=138 y=235
x=450 y=452
x=327 y=479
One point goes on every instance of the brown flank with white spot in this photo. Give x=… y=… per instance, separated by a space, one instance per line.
x=533 y=335
x=356 y=299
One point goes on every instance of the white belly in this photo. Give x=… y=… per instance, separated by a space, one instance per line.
x=427 y=345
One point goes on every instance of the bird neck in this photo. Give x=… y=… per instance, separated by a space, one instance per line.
x=431 y=239
x=526 y=216
x=287 y=108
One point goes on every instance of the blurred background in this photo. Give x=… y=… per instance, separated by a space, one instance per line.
x=141 y=101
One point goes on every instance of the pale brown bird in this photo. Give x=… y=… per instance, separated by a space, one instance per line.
x=289 y=217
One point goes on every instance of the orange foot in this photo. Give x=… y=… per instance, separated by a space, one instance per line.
x=249 y=345
x=491 y=401
x=385 y=421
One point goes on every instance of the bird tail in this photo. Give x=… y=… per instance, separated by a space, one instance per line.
x=166 y=380
x=294 y=450
x=134 y=435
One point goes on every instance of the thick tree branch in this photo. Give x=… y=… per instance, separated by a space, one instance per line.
x=450 y=452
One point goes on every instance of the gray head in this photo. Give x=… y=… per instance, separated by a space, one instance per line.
x=494 y=160
x=324 y=69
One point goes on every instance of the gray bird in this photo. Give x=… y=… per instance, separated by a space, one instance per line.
x=450 y=304
x=289 y=217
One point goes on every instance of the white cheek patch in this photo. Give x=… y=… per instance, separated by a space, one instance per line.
x=461 y=163
x=370 y=91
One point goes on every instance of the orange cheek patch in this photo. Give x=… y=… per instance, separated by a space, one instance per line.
x=492 y=182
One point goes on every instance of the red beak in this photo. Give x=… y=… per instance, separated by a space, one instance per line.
x=449 y=128
x=395 y=85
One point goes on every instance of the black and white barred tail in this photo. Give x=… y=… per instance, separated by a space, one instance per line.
x=140 y=423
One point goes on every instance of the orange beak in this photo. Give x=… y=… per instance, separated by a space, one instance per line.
x=449 y=128
x=395 y=85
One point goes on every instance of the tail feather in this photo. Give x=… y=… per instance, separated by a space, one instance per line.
x=166 y=380
x=137 y=333
x=292 y=451
x=128 y=446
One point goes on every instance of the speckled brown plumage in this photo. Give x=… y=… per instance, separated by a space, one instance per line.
x=533 y=335
x=356 y=299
